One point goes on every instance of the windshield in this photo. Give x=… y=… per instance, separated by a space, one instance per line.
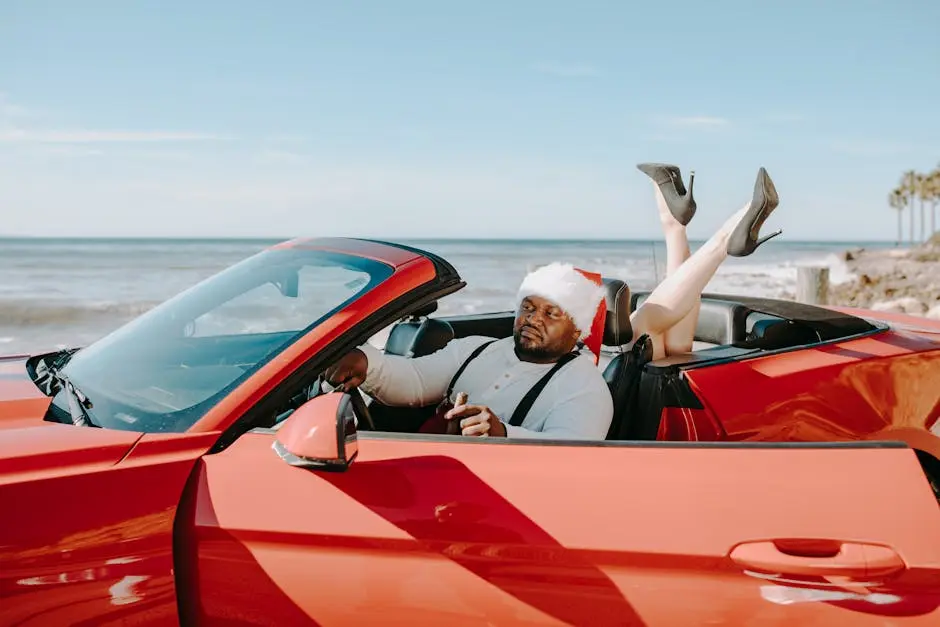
x=164 y=370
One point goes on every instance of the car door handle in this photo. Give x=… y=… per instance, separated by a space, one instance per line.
x=823 y=558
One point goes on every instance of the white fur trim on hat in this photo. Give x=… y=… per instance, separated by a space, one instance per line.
x=562 y=284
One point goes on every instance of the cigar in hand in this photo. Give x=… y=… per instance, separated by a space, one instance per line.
x=453 y=426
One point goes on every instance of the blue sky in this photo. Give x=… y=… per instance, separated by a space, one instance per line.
x=457 y=119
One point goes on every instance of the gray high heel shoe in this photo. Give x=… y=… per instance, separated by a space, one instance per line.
x=744 y=239
x=669 y=179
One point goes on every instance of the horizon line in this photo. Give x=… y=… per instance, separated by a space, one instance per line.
x=238 y=238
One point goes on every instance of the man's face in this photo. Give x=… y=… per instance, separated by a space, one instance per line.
x=543 y=331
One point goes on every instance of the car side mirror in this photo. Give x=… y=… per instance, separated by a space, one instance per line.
x=321 y=434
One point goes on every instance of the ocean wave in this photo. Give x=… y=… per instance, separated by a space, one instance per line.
x=37 y=313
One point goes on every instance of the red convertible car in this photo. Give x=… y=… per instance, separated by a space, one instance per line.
x=190 y=468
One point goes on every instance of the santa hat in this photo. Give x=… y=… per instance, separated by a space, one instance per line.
x=567 y=287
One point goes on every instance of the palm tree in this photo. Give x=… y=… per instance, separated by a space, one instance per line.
x=922 y=191
x=896 y=201
x=908 y=189
x=933 y=196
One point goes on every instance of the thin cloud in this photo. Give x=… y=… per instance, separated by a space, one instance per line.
x=696 y=121
x=869 y=147
x=783 y=118
x=567 y=70
x=297 y=200
x=99 y=137
x=665 y=138
x=283 y=157
x=14 y=114
x=24 y=125
x=10 y=110
x=285 y=138
x=68 y=150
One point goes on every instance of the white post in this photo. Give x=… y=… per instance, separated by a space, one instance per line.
x=812 y=285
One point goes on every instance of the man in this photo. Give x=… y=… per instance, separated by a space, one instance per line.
x=501 y=378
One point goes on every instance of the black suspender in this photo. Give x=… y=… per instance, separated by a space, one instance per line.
x=463 y=366
x=529 y=399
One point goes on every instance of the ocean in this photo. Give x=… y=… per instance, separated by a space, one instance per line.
x=69 y=292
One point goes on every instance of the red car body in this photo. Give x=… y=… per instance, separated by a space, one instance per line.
x=780 y=487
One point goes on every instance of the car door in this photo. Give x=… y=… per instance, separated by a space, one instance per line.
x=445 y=530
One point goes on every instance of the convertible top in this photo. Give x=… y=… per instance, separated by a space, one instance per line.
x=828 y=323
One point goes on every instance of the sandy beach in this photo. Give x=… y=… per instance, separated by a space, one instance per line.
x=903 y=280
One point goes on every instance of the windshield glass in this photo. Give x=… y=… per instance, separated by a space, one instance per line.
x=164 y=370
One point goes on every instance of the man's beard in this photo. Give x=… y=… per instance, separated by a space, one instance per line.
x=533 y=353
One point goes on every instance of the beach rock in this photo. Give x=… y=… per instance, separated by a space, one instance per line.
x=926 y=255
x=894 y=279
x=907 y=305
x=934 y=312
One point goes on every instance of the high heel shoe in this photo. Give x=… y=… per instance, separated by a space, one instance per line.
x=681 y=203
x=743 y=240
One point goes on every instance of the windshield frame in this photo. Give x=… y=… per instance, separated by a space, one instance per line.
x=174 y=314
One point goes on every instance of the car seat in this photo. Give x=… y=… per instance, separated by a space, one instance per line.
x=622 y=373
x=419 y=335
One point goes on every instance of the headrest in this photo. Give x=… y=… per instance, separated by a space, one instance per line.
x=416 y=338
x=617 y=327
x=770 y=334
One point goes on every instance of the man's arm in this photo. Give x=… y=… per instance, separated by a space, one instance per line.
x=406 y=381
x=585 y=415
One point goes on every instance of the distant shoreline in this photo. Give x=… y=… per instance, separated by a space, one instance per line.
x=488 y=240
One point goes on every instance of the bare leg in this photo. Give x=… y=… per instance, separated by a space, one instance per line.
x=679 y=337
x=679 y=295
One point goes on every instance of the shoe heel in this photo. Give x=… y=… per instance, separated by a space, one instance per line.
x=768 y=237
x=686 y=210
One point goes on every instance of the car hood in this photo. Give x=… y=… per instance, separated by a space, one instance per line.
x=29 y=444
x=20 y=400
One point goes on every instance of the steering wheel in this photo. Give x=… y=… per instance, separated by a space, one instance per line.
x=355 y=397
x=361 y=408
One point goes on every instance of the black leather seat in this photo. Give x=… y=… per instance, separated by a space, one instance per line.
x=419 y=335
x=618 y=329
x=775 y=333
x=623 y=371
x=415 y=337
x=720 y=321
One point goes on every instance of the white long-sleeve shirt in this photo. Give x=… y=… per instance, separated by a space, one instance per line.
x=576 y=403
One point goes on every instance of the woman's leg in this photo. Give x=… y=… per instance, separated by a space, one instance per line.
x=680 y=292
x=679 y=337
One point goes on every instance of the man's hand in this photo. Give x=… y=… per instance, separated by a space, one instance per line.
x=349 y=372
x=477 y=420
